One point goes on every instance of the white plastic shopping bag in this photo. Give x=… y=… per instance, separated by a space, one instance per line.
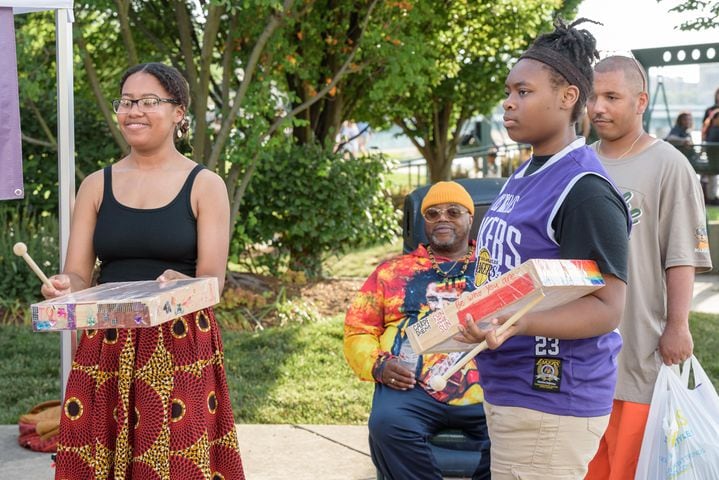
x=681 y=440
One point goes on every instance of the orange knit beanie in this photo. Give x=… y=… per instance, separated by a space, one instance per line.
x=448 y=192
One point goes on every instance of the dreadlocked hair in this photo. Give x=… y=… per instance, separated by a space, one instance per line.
x=577 y=46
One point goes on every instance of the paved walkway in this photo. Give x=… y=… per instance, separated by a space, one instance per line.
x=269 y=452
x=706 y=294
x=300 y=452
x=280 y=452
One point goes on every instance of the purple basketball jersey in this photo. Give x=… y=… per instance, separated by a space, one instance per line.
x=562 y=377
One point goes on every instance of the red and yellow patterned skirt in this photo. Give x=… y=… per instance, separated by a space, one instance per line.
x=149 y=403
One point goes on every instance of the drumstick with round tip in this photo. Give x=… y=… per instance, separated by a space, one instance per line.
x=439 y=382
x=20 y=249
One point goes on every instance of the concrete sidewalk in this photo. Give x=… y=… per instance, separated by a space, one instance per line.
x=328 y=452
x=300 y=452
x=706 y=294
x=269 y=452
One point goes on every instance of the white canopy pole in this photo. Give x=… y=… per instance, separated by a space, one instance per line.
x=64 y=19
x=25 y=6
x=66 y=163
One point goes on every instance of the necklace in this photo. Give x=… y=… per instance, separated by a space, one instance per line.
x=630 y=146
x=455 y=281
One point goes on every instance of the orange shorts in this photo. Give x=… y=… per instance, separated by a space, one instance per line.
x=618 y=452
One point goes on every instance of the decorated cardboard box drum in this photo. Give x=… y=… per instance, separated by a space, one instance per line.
x=556 y=282
x=125 y=305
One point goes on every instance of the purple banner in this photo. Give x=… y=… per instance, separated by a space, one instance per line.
x=11 y=186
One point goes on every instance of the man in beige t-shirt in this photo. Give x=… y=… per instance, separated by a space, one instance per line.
x=668 y=243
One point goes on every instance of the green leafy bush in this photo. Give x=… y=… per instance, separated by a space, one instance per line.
x=18 y=284
x=306 y=202
x=37 y=79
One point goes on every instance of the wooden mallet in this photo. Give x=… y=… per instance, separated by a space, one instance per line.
x=20 y=249
x=439 y=382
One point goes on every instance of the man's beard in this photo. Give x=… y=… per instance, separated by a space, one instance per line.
x=444 y=246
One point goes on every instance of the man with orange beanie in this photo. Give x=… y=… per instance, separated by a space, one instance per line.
x=405 y=409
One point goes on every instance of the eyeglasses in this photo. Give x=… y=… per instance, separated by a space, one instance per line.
x=145 y=104
x=432 y=215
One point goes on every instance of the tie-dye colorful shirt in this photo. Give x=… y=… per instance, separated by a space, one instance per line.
x=397 y=294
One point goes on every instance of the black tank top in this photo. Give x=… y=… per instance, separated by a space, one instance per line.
x=141 y=243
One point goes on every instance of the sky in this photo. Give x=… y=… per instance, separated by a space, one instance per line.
x=630 y=24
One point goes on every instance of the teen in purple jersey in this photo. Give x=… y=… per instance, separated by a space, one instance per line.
x=549 y=379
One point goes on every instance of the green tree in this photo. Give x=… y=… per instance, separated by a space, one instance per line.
x=317 y=45
x=306 y=202
x=36 y=51
x=459 y=72
x=707 y=14
x=264 y=72
x=235 y=58
x=249 y=81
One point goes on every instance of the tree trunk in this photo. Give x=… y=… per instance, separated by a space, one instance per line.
x=440 y=167
x=329 y=120
x=436 y=138
x=123 y=9
x=102 y=102
x=324 y=117
x=302 y=133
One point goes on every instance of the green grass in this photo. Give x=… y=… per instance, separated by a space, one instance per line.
x=712 y=212
x=293 y=374
x=29 y=371
x=407 y=181
x=705 y=331
x=361 y=263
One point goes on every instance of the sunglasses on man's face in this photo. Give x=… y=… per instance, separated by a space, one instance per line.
x=432 y=214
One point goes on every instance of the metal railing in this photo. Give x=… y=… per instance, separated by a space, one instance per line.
x=502 y=160
x=485 y=161
x=704 y=157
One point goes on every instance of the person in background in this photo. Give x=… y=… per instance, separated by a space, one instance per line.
x=668 y=245
x=365 y=134
x=712 y=133
x=348 y=138
x=400 y=292
x=680 y=134
x=149 y=402
x=709 y=182
x=714 y=107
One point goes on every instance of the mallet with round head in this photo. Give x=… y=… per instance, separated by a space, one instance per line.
x=20 y=249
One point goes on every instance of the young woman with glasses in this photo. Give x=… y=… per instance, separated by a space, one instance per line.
x=149 y=402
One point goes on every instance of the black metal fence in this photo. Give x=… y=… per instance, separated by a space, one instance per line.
x=704 y=157
x=481 y=162
x=502 y=160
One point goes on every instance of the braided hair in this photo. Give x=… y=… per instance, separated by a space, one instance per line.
x=568 y=54
x=172 y=81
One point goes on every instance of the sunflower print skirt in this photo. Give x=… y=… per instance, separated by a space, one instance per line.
x=149 y=404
